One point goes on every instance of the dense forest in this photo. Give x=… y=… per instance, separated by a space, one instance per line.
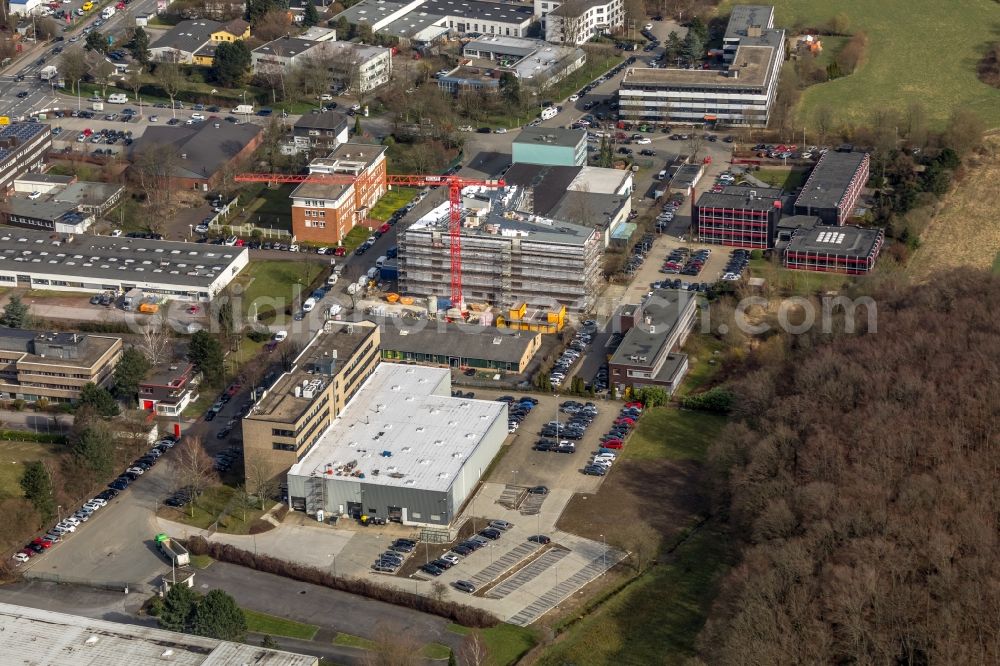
x=861 y=477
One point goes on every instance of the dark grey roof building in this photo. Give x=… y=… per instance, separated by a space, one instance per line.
x=92 y=264
x=833 y=187
x=652 y=331
x=460 y=345
x=202 y=150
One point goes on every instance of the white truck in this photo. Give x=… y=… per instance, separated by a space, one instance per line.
x=243 y=108
x=48 y=73
x=174 y=551
x=107 y=13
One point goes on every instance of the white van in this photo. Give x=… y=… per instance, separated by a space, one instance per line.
x=549 y=112
x=662 y=175
x=309 y=304
x=332 y=280
x=381 y=260
x=118 y=98
x=243 y=108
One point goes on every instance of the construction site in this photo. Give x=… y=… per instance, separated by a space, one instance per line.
x=510 y=259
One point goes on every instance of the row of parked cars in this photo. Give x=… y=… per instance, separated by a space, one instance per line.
x=685 y=262
x=517 y=411
x=739 y=259
x=71 y=523
x=391 y=560
x=491 y=532
x=573 y=352
x=614 y=440
x=559 y=436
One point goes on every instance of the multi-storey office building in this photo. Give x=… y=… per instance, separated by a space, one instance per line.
x=508 y=257
x=738 y=216
x=54 y=366
x=288 y=420
x=834 y=186
x=814 y=246
x=579 y=21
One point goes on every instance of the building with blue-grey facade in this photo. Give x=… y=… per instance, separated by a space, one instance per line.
x=403 y=449
x=551 y=146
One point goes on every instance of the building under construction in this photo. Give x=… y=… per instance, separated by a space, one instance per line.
x=509 y=257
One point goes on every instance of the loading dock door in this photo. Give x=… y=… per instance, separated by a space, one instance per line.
x=354 y=509
x=396 y=514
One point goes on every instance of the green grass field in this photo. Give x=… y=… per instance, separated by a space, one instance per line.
x=356 y=237
x=788 y=282
x=665 y=433
x=272 y=208
x=13 y=456
x=350 y=640
x=392 y=201
x=275 y=283
x=996 y=264
x=787 y=179
x=656 y=618
x=208 y=507
x=923 y=50
x=262 y=623
x=435 y=651
x=505 y=642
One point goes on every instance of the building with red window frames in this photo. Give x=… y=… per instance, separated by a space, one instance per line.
x=738 y=216
x=805 y=243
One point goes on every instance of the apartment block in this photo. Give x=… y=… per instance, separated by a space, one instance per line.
x=292 y=415
x=326 y=212
x=509 y=257
x=54 y=366
x=22 y=148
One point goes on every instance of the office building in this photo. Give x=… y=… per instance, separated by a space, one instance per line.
x=579 y=21
x=551 y=146
x=194 y=42
x=34 y=636
x=23 y=147
x=92 y=264
x=746 y=24
x=833 y=187
x=326 y=212
x=509 y=256
x=403 y=449
x=533 y=61
x=653 y=331
x=738 y=216
x=38 y=365
x=288 y=420
x=740 y=93
x=356 y=66
x=806 y=243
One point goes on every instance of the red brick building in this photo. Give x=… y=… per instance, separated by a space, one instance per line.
x=325 y=213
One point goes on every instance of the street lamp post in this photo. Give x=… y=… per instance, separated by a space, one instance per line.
x=514 y=472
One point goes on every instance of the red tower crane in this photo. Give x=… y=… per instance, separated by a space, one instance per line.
x=453 y=183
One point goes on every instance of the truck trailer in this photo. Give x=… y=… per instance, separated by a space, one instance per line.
x=48 y=73
x=174 y=551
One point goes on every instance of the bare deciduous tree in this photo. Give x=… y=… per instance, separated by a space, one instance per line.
x=191 y=466
x=474 y=651
x=262 y=481
x=393 y=648
x=154 y=341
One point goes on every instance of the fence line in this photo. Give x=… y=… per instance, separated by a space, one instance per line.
x=63 y=579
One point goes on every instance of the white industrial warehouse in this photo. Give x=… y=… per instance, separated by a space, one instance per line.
x=403 y=449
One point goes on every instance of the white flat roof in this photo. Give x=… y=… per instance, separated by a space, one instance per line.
x=430 y=436
x=34 y=636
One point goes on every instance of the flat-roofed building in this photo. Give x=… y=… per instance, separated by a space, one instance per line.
x=287 y=421
x=54 y=366
x=834 y=186
x=738 y=216
x=93 y=264
x=579 y=21
x=459 y=345
x=35 y=636
x=426 y=20
x=653 y=331
x=23 y=147
x=403 y=449
x=740 y=93
x=552 y=146
x=806 y=244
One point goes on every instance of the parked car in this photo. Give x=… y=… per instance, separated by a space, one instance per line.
x=539 y=538
x=464 y=586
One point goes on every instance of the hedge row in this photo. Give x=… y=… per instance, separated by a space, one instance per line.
x=29 y=436
x=458 y=613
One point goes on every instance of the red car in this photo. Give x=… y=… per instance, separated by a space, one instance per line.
x=340 y=251
x=42 y=542
x=612 y=444
x=634 y=405
x=384 y=228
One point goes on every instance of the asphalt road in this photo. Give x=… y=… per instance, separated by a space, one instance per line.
x=42 y=95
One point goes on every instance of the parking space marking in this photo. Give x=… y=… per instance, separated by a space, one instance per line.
x=503 y=564
x=528 y=573
x=511 y=496
x=532 y=504
x=565 y=588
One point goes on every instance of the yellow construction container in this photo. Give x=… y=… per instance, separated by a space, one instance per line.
x=545 y=322
x=149 y=308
